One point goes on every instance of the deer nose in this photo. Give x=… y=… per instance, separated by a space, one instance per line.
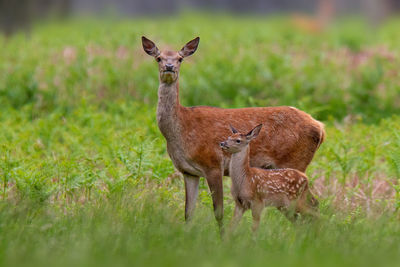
x=169 y=67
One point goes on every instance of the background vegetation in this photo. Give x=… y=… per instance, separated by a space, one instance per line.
x=85 y=177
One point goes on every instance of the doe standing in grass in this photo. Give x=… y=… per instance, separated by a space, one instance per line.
x=193 y=134
x=255 y=188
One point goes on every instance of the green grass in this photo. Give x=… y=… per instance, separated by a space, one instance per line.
x=84 y=174
x=142 y=231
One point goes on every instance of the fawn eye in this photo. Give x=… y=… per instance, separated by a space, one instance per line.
x=158 y=59
x=238 y=141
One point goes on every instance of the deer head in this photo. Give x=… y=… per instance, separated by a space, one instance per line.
x=169 y=62
x=238 y=141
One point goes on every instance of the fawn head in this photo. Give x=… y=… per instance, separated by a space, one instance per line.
x=238 y=141
x=169 y=62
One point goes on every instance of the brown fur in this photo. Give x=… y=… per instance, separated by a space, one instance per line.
x=285 y=189
x=193 y=134
x=290 y=139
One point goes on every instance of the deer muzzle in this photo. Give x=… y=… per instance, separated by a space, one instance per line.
x=223 y=145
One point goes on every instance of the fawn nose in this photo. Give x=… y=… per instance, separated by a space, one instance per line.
x=169 y=67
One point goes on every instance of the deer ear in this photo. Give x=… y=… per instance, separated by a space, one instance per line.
x=233 y=129
x=150 y=47
x=253 y=133
x=190 y=47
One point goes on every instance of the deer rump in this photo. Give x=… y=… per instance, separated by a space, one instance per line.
x=289 y=138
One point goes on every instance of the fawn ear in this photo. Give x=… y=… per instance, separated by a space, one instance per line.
x=253 y=133
x=190 y=47
x=233 y=129
x=150 y=47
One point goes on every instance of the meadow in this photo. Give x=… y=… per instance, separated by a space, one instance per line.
x=85 y=177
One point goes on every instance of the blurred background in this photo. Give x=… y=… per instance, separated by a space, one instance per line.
x=85 y=178
x=19 y=14
x=58 y=52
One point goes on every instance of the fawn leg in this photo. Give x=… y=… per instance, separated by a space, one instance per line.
x=214 y=180
x=237 y=216
x=191 y=192
x=289 y=210
x=256 y=209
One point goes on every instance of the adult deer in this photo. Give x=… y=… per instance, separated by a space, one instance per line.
x=193 y=134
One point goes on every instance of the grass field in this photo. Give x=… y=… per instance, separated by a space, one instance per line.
x=85 y=177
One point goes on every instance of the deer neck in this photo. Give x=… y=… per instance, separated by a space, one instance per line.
x=239 y=169
x=168 y=110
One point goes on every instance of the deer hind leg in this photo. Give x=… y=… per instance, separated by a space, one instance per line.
x=191 y=192
x=214 y=180
x=308 y=211
x=288 y=209
x=308 y=204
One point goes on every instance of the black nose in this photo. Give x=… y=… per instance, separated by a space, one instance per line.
x=169 y=67
x=222 y=144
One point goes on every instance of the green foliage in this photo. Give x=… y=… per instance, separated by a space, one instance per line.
x=85 y=176
x=344 y=70
x=144 y=231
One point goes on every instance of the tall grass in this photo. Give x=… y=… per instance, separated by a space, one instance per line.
x=142 y=230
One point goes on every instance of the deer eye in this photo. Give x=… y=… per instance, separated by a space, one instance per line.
x=158 y=59
x=238 y=141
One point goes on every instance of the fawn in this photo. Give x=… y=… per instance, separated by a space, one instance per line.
x=193 y=134
x=255 y=188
